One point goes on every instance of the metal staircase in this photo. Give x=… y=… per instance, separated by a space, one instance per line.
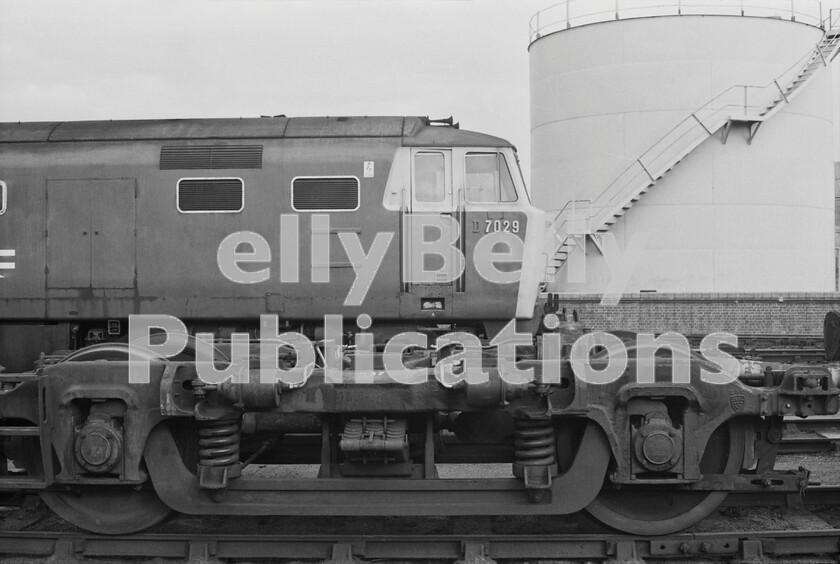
x=734 y=105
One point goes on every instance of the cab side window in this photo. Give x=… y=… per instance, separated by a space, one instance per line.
x=488 y=179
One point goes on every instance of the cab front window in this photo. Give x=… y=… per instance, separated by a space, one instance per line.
x=488 y=179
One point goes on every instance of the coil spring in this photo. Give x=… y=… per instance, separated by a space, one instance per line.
x=218 y=443
x=534 y=443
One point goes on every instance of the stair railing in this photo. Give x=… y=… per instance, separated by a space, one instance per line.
x=832 y=21
x=573 y=219
x=736 y=103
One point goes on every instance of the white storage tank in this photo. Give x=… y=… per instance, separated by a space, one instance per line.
x=608 y=87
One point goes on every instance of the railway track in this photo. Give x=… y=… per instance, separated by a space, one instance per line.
x=812 y=435
x=468 y=548
x=462 y=549
x=786 y=349
x=788 y=355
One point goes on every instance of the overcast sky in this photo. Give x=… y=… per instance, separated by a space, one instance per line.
x=111 y=59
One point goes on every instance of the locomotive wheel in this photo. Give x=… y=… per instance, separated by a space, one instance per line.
x=655 y=511
x=109 y=511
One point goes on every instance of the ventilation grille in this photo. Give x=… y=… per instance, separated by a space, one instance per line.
x=210 y=156
x=210 y=195
x=325 y=194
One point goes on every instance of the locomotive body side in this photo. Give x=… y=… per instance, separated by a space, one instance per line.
x=95 y=219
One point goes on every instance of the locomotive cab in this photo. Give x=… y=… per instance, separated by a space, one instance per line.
x=474 y=199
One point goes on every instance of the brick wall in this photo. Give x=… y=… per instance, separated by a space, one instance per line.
x=753 y=314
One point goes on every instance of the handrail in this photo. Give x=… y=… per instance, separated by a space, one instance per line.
x=727 y=105
x=729 y=99
x=563 y=209
x=575 y=13
x=734 y=102
x=561 y=220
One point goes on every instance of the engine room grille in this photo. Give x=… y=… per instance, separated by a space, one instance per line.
x=211 y=195
x=325 y=193
x=210 y=157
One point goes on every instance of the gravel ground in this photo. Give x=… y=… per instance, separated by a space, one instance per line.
x=824 y=467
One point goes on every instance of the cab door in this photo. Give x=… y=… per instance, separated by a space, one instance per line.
x=431 y=213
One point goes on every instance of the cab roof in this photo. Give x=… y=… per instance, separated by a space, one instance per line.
x=414 y=131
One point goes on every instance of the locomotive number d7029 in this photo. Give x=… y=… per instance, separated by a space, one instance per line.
x=497 y=225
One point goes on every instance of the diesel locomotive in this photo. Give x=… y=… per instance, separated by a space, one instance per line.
x=248 y=234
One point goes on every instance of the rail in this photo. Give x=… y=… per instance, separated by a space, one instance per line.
x=749 y=545
x=576 y=13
